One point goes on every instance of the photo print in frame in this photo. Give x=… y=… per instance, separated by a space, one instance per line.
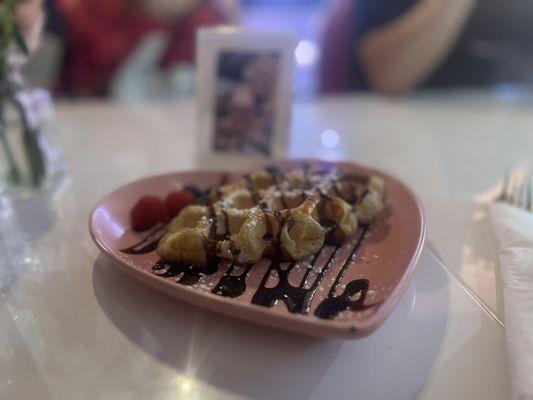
x=245 y=85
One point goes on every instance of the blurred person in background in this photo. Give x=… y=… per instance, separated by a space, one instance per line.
x=395 y=46
x=130 y=48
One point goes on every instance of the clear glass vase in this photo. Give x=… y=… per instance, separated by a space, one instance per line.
x=30 y=155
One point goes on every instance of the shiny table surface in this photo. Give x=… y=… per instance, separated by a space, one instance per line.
x=74 y=326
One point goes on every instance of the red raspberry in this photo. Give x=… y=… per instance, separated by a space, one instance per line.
x=147 y=212
x=177 y=201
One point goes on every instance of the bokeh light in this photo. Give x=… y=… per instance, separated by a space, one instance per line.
x=330 y=138
x=306 y=53
x=185 y=385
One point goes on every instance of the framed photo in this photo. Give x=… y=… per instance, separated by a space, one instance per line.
x=245 y=80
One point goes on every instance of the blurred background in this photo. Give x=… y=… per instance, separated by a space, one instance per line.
x=136 y=50
x=144 y=49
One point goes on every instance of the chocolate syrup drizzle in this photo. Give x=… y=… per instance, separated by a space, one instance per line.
x=232 y=285
x=349 y=261
x=187 y=275
x=306 y=168
x=250 y=186
x=330 y=307
x=333 y=305
x=298 y=299
x=148 y=243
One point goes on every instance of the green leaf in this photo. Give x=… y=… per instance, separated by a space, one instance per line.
x=20 y=41
x=6 y=27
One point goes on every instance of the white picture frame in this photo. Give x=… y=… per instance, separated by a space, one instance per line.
x=228 y=58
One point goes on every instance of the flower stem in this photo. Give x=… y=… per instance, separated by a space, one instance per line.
x=13 y=174
x=30 y=138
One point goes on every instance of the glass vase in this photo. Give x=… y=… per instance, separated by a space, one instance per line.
x=30 y=155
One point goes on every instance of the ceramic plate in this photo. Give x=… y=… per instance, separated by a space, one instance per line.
x=343 y=292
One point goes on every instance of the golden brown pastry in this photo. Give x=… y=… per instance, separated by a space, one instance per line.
x=270 y=214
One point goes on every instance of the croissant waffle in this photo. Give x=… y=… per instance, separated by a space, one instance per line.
x=267 y=213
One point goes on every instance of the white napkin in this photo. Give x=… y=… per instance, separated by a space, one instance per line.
x=514 y=230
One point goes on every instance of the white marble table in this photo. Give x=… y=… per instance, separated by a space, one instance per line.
x=74 y=327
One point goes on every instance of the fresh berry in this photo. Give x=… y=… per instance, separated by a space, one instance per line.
x=177 y=201
x=148 y=211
